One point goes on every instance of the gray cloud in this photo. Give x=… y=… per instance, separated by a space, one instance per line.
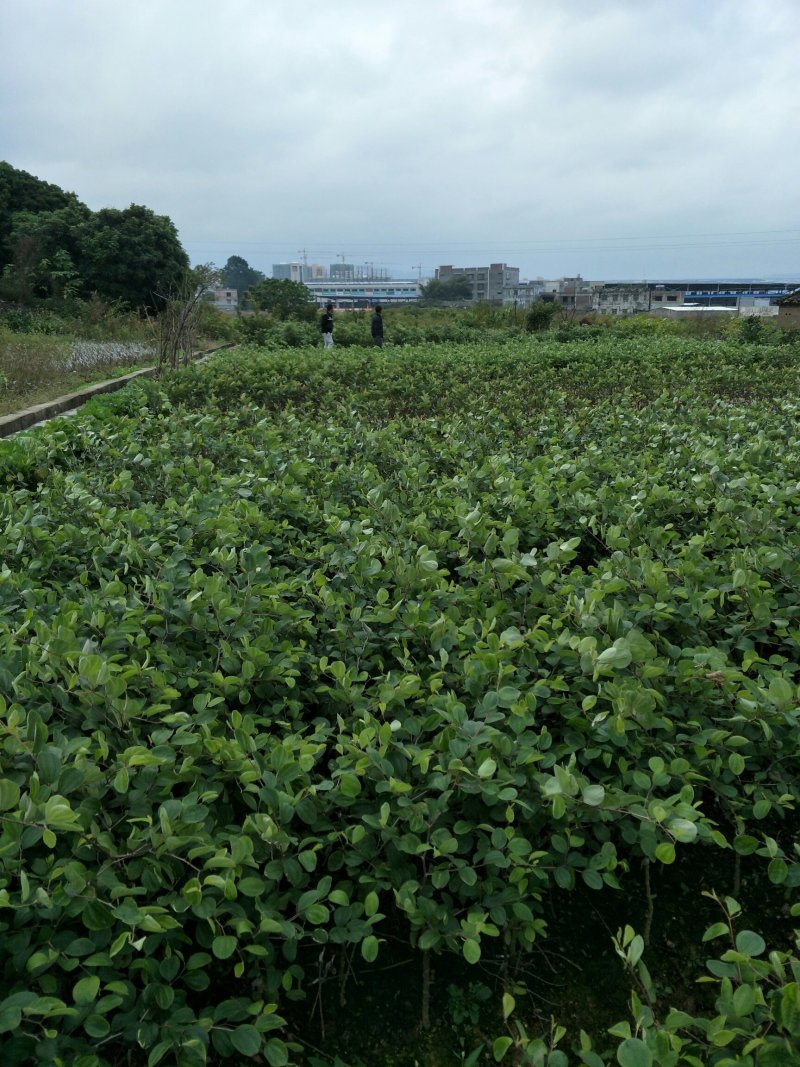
x=614 y=138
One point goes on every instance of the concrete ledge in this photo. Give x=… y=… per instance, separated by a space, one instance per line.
x=24 y=420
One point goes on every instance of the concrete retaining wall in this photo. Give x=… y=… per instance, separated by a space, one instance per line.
x=23 y=420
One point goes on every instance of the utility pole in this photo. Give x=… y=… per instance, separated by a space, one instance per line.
x=418 y=268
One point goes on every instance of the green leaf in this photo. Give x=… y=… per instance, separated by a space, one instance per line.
x=85 y=991
x=592 y=878
x=429 y=939
x=349 y=785
x=777 y=871
x=10 y=1017
x=9 y=794
x=246 y=1039
x=317 y=914
x=736 y=763
x=722 y=1038
x=471 y=950
x=750 y=943
x=781 y=691
x=97 y=1026
x=683 y=830
x=369 y=948
x=276 y=1053
x=717 y=930
x=616 y=657
x=744 y=1000
x=593 y=795
x=500 y=1047
x=223 y=946
x=509 y=1003
x=158 y=1053
x=665 y=852
x=634 y=1053
x=487 y=768
x=790 y=1008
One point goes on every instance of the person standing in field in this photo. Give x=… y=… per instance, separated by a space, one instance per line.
x=326 y=325
x=377 y=325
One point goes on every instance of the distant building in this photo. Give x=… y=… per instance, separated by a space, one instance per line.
x=523 y=294
x=620 y=299
x=290 y=272
x=725 y=292
x=660 y=296
x=574 y=294
x=789 y=311
x=222 y=297
x=488 y=283
x=360 y=293
x=357 y=272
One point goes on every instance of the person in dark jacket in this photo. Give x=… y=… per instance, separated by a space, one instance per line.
x=326 y=325
x=377 y=325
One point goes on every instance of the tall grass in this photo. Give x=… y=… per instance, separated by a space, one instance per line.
x=35 y=367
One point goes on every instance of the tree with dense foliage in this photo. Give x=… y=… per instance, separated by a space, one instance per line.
x=540 y=315
x=133 y=256
x=239 y=275
x=441 y=290
x=47 y=252
x=20 y=191
x=52 y=245
x=282 y=298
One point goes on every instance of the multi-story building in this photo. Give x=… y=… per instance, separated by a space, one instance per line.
x=488 y=283
x=290 y=272
x=361 y=293
x=222 y=297
x=625 y=298
x=523 y=294
x=574 y=294
x=663 y=296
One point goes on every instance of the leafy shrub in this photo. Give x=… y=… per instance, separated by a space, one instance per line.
x=540 y=315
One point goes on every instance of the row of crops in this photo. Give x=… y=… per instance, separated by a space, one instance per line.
x=328 y=674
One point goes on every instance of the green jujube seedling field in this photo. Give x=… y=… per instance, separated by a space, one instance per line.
x=314 y=664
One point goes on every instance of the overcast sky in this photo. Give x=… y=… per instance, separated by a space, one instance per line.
x=610 y=138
